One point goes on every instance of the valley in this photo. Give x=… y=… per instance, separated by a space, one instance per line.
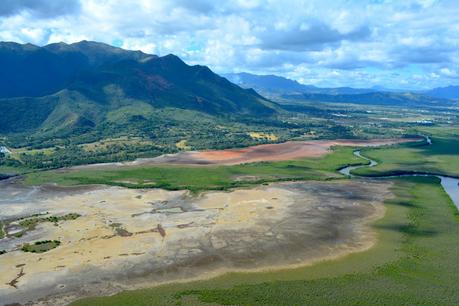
x=128 y=178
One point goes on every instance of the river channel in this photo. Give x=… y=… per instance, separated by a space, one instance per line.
x=449 y=184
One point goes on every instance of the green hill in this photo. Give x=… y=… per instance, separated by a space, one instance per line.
x=61 y=95
x=72 y=88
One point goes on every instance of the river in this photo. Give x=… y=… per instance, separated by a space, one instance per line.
x=449 y=184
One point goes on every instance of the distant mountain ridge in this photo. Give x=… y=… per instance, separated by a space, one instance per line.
x=266 y=82
x=277 y=86
x=448 y=92
x=281 y=85
x=377 y=98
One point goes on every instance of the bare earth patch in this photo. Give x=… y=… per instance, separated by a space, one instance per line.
x=284 y=151
x=267 y=152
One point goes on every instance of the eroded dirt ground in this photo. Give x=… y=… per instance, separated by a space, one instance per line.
x=267 y=152
x=127 y=238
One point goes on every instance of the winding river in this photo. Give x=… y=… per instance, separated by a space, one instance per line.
x=450 y=184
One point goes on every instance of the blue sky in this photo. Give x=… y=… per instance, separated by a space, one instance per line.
x=396 y=44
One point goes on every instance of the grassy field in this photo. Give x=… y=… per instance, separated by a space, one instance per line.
x=442 y=157
x=413 y=263
x=199 y=178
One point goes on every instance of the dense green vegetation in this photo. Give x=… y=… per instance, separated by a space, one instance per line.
x=122 y=138
x=442 y=157
x=41 y=246
x=413 y=263
x=205 y=177
x=31 y=223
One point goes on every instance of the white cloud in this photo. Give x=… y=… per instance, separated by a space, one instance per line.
x=146 y=47
x=448 y=72
x=310 y=41
x=34 y=35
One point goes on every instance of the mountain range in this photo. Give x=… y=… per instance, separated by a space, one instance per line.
x=448 y=92
x=86 y=91
x=272 y=85
x=396 y=99
x=78 y=87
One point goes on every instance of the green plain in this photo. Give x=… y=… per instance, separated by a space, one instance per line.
x=199 y=178
x=442 y=157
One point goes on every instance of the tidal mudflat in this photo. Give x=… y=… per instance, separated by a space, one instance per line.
x=130 y=238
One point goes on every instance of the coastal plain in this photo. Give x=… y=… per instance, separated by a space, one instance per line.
x=309 y=222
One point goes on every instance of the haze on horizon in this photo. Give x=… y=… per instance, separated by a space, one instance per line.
x=410 y=44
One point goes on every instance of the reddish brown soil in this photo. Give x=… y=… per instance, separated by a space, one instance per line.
x=267 y=152
x=282 y=151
